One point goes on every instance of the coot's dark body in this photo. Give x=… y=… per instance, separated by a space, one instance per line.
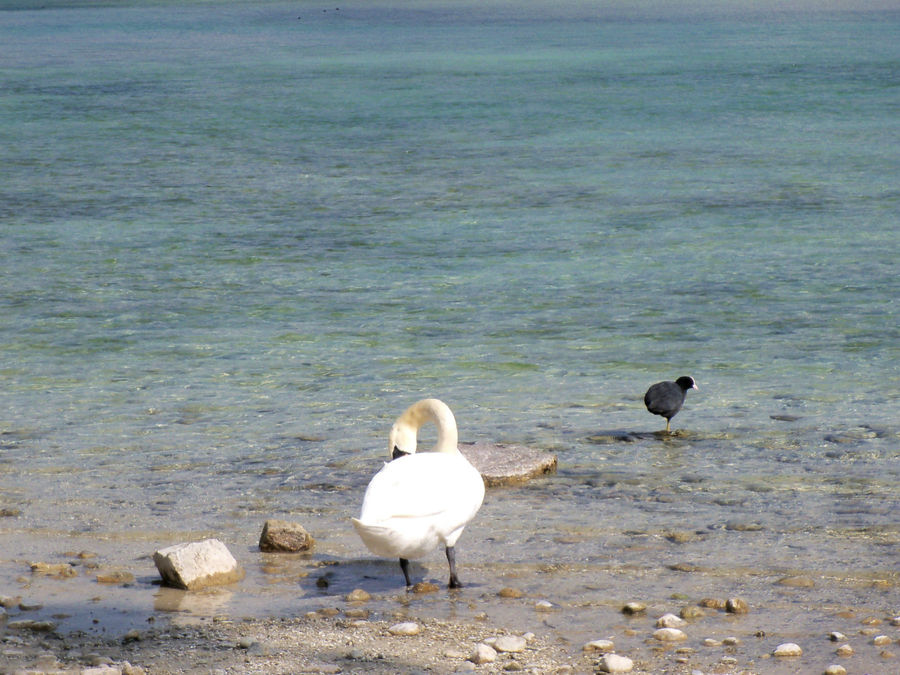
x=666 y=398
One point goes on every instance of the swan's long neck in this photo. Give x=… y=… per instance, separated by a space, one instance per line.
x=431 y=410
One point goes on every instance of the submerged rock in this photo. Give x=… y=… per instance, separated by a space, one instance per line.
x=602 y=646
x=508 y=464
x=669 y=635
x=737 y=606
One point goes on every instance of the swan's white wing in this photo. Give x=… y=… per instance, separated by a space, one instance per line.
x=416 y=501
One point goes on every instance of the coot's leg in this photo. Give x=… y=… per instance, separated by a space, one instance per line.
x=404 y=565
x=451 y=558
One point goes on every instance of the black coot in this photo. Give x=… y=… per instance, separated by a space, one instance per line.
x=666 y=398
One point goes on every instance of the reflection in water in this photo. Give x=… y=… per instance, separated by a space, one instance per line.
x=188 y=607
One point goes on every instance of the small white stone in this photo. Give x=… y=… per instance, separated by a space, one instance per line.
x=709 y=642
x=895 y=621
x=881 y=640
x=836 y=636
x=405 y=628
x=543 y=606
x=613 y=663
x=510 y=643
x=835 y=669
x=669 y=635
x=844 y=650
x=670 y=621
x=599 y=646
x=731 y=641
x=787 y=649
x=483 y=654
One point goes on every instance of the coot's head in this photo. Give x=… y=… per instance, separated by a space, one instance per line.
x=686 y=383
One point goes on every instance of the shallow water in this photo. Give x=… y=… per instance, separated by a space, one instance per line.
x=239 y=239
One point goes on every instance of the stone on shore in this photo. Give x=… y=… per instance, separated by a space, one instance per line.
x=405 y=628
x=614 y=663
x=196 y=565
x=483 y=654
x=510 y=643
x=508 y=464
x=283 y=536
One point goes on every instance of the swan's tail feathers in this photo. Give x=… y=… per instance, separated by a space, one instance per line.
x=377 y=538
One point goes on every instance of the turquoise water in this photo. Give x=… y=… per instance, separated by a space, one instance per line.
x=239 y=238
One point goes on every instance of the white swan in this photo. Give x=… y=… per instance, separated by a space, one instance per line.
x=418 y=501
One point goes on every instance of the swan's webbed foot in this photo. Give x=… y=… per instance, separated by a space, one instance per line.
x=451 y=559
x=404 y=565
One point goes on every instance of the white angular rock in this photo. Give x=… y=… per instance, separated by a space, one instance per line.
x=197 y=565
x=788 y=649
x=835 y=669
x=483 y=654
x=669 y=635
x=670 y=621
x=613 y=663
x=510 y=643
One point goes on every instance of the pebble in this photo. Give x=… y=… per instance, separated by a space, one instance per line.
x=799 y=581
x=405 y=628
x=836 y=636
x=731 y=641
x=543 y=606
x=614 y=663
x=844 y=650
x=710 y=642
x=634 y=608
x=358 y=595
x=483 y=654
x=510 y=643
x=881 y=640
x=425 y=587
x=599 y=646
x=835 y=669
x=737 y=606
x=895 y=621
x=670 y=621
x=669 y=635
x=510 y=593
x=713 y=603
x=692 y=612
x=787 y=649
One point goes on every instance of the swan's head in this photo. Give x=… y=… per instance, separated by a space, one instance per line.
x=402 y=440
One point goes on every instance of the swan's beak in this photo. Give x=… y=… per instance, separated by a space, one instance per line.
x=397 y=452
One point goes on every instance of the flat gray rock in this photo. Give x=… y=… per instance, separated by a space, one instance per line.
x=507 y=464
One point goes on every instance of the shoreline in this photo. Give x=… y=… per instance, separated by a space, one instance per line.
x=224 y=630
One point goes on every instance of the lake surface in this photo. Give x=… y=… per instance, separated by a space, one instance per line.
x=238 y=239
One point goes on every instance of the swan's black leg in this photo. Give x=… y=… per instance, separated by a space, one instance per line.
x=404 y=565
x=451 y=558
